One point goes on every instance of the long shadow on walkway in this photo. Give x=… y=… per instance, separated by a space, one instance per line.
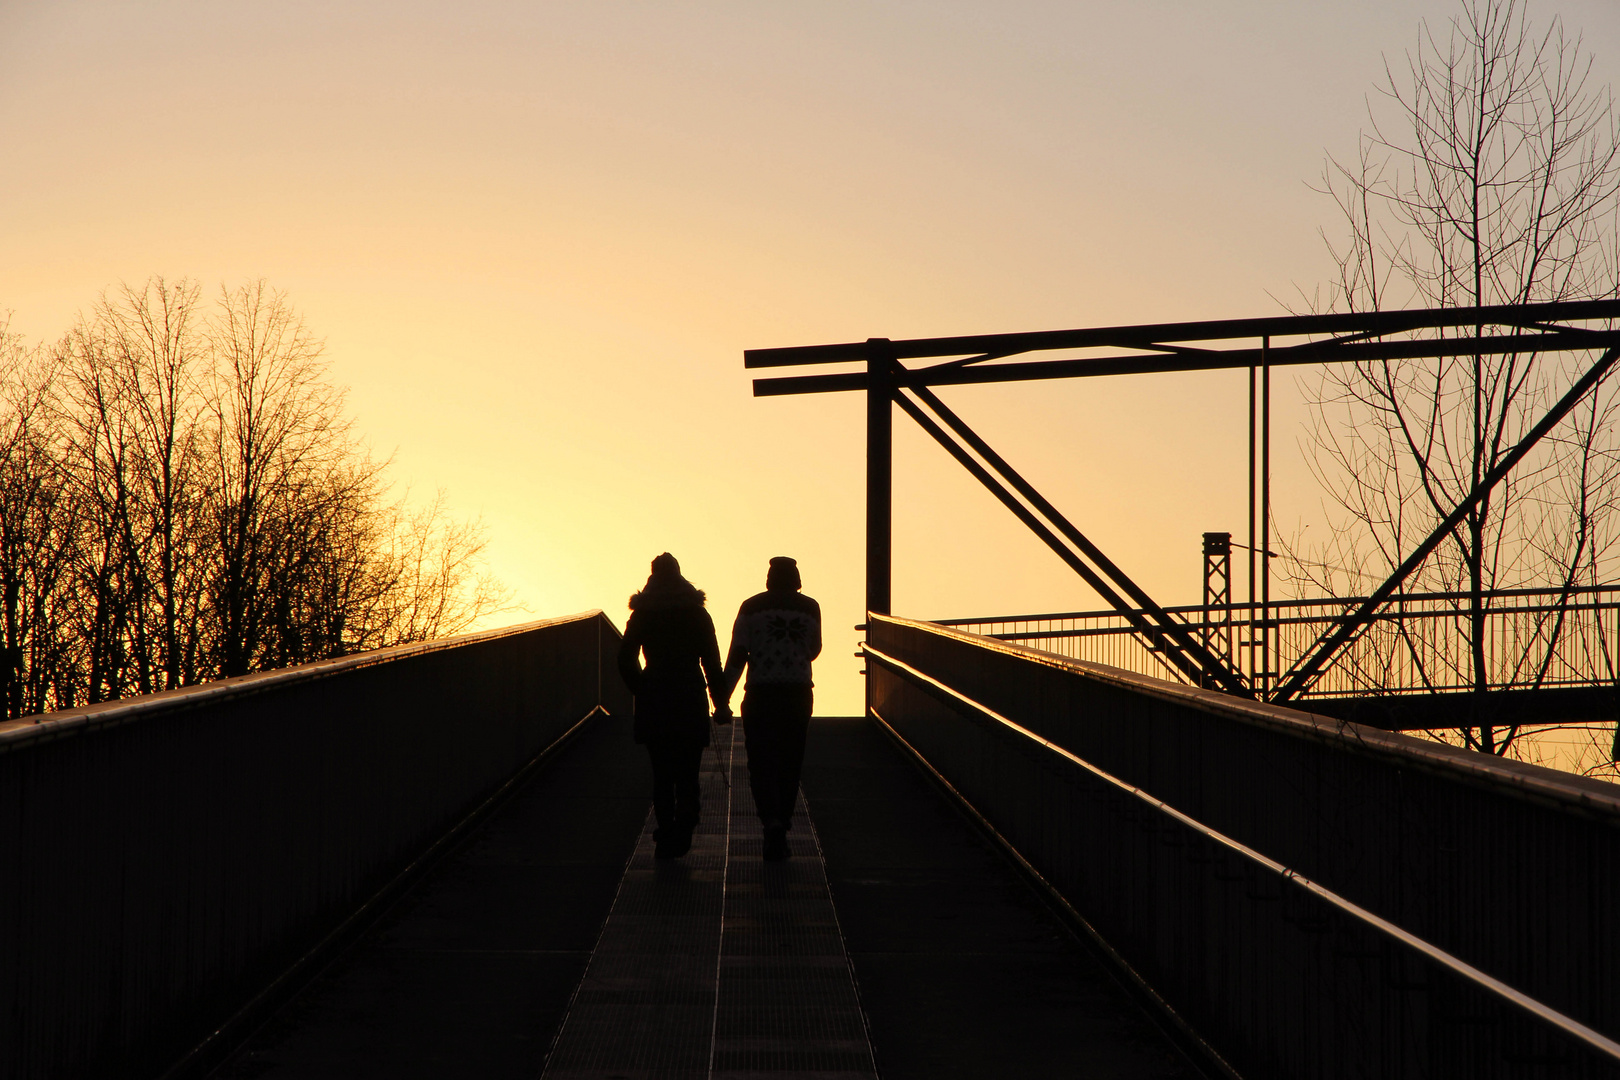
x=963 y=971
x=471 y=973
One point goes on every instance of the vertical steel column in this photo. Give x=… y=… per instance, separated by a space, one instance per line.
x=879 y=473
x=1268 y=670
x=1254 y=668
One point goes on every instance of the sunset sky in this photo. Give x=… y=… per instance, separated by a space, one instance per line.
x=537 y=238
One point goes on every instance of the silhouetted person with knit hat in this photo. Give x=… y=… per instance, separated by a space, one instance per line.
x=669 y=625
x=777 y=634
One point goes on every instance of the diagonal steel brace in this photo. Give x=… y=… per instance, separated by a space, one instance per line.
x=1305 y=672
x=1182 y=649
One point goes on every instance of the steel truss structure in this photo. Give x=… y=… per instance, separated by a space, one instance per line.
x=882 y=373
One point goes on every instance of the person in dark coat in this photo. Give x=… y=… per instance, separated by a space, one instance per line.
x=777 y=635
x=668 y=624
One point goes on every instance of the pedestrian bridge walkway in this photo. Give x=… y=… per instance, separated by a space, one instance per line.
x=551 y=943
x=433 y=861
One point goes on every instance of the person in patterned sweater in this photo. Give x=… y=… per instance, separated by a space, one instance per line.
x=776 y=636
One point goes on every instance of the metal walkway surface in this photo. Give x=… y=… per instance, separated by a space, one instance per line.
x=719 y=964
x=894 y=942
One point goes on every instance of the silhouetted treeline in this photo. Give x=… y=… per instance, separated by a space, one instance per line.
x=182 y=499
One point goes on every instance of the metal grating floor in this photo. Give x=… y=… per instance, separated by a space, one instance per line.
x=719 y=964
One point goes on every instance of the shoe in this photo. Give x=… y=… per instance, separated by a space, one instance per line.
x=672 y=845
x=776 y=845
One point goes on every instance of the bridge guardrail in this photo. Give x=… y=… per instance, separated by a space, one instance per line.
x=1419 y=643
x=1306 y=897
x=164 y=858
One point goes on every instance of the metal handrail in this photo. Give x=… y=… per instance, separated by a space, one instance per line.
x=27 y=730
x=1416 y=644
x=1315 y=602
x=1237 y=624
x=1546 y=1013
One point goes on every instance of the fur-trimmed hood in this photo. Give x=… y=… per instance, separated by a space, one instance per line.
x=664 y=593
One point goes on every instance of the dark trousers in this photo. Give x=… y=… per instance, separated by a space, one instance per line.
x=776 y=720
x=675 y=782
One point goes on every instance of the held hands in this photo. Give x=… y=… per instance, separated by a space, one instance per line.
x=722 y=712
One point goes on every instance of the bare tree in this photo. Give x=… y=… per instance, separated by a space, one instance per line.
x=182 y=498
x=99 y=460
x=154 y=348
x=37 y=533
x=277 y=425
x=1489 y=175
x=437 y=585
x=311 y=562
x=132 y=408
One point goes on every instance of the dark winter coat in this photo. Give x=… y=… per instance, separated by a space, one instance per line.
x=668 y=624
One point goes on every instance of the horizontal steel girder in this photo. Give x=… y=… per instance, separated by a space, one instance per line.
x=1360 y=324
x=1200 y=360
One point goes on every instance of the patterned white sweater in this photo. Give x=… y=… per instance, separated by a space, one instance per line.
x=777 y=634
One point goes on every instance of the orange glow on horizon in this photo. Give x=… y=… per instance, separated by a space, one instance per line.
x=538 y=238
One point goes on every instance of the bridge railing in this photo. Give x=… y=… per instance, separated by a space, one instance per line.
x=164 y=858
x=1302 y=896
x=1420 y=643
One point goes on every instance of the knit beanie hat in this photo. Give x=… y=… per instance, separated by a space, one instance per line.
x=783 y=574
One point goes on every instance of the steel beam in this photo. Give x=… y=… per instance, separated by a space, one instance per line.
x=1202 y=658
x=1138 y=622
x=1200 y=360
x=1263 y=677
x=1365 y=323
x=879 y=475
x=1162 y=632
